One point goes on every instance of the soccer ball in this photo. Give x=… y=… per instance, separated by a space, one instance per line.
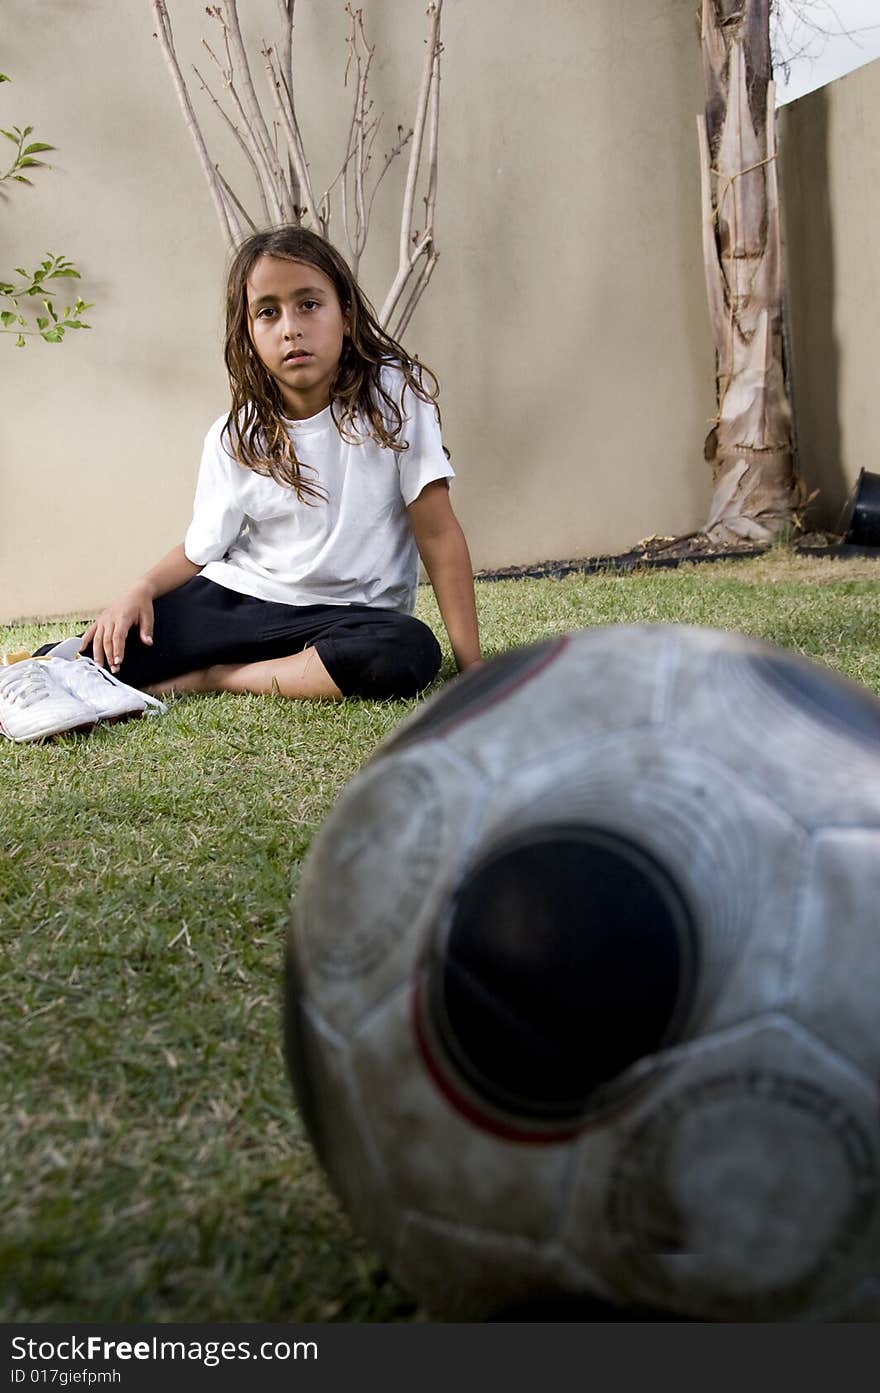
x=583 y=985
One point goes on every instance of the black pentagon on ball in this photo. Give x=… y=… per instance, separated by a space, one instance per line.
x=834 y=701
x=569 y=956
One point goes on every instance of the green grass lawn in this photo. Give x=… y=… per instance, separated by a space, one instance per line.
x=153 y=1165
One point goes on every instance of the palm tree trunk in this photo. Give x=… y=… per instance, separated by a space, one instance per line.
x=756 y=493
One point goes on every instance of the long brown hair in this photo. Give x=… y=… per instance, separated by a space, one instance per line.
x=256 y=428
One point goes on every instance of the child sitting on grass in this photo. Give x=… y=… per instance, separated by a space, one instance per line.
x=316 y=497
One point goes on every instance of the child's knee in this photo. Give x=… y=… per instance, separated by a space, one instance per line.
x=398 y=661
x=423 y=659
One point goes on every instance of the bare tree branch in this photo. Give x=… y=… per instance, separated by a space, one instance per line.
x=403 y=139
x=275 y=155
x=262 y=173
x=431 y=59
x=362 y=152
x=266 y=155
x=425 y=273
x=243 y=145
x=286 y=9
x=297 y=153
x=233 y=198
x=433 y=143
x=166 y=41
x=412 y=246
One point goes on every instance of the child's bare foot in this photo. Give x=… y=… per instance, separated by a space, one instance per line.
x=184 y=685
x=300 y=676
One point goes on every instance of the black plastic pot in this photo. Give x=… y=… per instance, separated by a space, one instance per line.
x=861 y=524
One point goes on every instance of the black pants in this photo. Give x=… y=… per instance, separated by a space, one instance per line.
x=368 y=652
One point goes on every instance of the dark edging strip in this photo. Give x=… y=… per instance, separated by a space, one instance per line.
x=635 y=561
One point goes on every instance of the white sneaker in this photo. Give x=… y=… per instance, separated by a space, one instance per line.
x=34 y=706
x=67 y=648
x=113 y=700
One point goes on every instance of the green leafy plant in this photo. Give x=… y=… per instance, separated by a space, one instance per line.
x=19 y=295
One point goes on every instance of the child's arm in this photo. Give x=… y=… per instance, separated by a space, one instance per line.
x=446 y=559
x=108 y=633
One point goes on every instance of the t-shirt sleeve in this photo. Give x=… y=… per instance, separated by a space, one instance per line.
x=217 y=516
x=424 y=461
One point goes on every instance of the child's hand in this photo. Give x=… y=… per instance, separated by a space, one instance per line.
x=109 y=631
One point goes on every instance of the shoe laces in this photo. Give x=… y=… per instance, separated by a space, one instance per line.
x=92 y=676
x=26 y=683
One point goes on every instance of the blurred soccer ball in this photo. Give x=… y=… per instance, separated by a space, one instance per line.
x=583 y=985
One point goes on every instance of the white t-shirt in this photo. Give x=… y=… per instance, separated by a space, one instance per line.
x=353 y=547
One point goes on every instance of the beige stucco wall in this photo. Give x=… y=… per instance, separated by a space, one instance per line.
x=566 y=319
x=830 y=171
